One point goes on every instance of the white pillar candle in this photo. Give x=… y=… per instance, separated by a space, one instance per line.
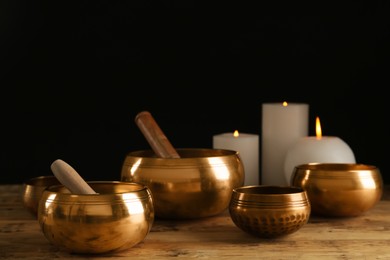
x=317 y=149
x=247 y=146
x=282 y=125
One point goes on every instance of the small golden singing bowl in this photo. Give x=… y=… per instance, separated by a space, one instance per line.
x=339 y=189
x=269 y=211
x=117 y=218
x=32 y=191
x=198 y=184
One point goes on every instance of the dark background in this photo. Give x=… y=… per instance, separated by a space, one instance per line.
x=75 y=75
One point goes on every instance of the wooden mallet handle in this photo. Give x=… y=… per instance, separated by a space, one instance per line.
x=155 y=136
x=70 y=178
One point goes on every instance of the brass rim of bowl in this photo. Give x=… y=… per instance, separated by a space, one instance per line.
x=338 y=170
x=42 y=181
x=337 y=167
x=185 y=153
x=122 y=189
x=189 y=158
x=269 y=196
x=268 y=190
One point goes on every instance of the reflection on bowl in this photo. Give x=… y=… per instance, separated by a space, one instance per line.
x=32 y=191
x=198 y=184
x=117 y=218
x=269 y=211
x=339 y=189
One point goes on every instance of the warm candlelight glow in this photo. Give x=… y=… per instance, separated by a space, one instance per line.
x=317 y=149
x=247 y=146
x=282 y=125
x=318 y=128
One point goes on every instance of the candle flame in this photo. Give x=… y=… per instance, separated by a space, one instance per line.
x=236 y=134
x=318 y=128
x=285 y=104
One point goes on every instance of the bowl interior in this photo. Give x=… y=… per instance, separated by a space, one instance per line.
x=42 y=181
x=104 y=189
x=268 y=190
x=341 y=168
x=271 y=194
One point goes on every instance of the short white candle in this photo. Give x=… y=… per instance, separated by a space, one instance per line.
x=282 y=125
x=247 y=146
x=317 y=149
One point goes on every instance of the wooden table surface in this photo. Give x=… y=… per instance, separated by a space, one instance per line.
x=363 y=237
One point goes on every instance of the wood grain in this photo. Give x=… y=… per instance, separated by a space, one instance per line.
x=363 y=237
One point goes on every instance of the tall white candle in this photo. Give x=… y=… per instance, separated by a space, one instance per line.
x=317 y=149
x=282 y=125
x=247 y=146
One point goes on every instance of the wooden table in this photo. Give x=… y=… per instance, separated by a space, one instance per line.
x=363 y=237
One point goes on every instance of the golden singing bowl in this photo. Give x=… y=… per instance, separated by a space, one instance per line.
x=32 y=191
x=269 y=211
x=198 y=184
x=339 y=189
x=117 y=218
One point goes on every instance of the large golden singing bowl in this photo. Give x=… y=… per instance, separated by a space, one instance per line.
x=269 y=211
x=198 y=184
x=117 y=218
x=32 y=191
x=339 y=189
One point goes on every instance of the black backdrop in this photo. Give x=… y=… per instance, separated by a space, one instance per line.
x=75 y=75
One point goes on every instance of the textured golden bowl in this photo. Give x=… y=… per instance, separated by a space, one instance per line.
x=339 y=189
x=198 y=184
x=117 y=218
x=32 y=191
x=269 y=211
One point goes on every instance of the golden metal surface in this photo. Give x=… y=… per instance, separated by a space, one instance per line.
x=117 y=218
x=198 y=184
x=32 y=191
x=269 y=211
x=339 y=189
